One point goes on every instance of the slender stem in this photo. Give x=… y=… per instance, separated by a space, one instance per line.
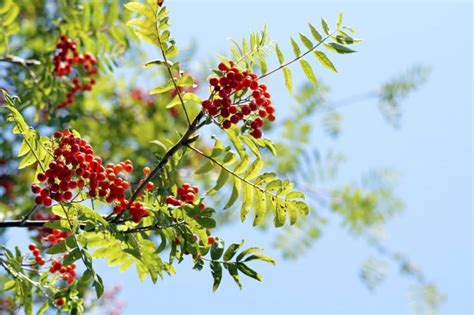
x=235 y=174
x=173 y=80
x=18 y=60
x=183 y=141
x=22 y=223
x=29 y=213
x=296 y=58
x=153 y=227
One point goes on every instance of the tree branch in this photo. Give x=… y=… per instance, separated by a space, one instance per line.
x=183 y=141
x=22 y=223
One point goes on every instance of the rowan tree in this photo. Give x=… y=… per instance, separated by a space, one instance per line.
x=96 y=166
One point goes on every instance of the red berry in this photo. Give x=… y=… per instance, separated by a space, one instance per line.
x=211 y=240
x=39 y=260
x=60 y=302
x=190 y=197
x=226 y=124
x=256 y=133
x=222 y=67
x=38 y=200
x=47 y=201
x=35 y=189
x=32 y=247
x=146 y=171
x=149 y=186
x=213 y=81
x=128 y=168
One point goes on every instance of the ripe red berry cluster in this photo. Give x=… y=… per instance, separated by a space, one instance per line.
x=66 y=59
x=237 y=96
x=140 y=95
x=68 y=273
x=75 y=167
x=186 y=194
x=36 y=252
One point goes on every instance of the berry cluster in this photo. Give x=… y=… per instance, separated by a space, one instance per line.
x=75 y=167
x=36 y=252
x=65 y=60
x=68 y=273
x=237 y=96
x=140 y=95
x=187 y=194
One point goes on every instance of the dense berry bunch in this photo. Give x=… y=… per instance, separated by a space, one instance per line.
x=66 y=273
x=68 y=59
x=237 y=96
x=186 y=194
x=37 y=253
x=76 y=168
x=140 y=95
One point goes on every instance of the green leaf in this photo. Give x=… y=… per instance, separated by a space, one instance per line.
x=162 y=89
x=43 y=308
x=324 y=23
x=232 y=268
x=216 y=270
x=324 y=60
x=339 y=20
x=248 y=251
x=58 y=248
x=98 y=285
x=11 y=15
x=260 y=207
x=288 y=79
x=254 y=169
x=316 y=35
x=261 y=257
x=28 y=160
x=73 y=256
x=308 y=71
x=249 y=272
x=223 y=176
x=217 y=249
x=306 y=41
x=208 y=223
x=296 y=48
x=231 y=250
x=235 y=193
x=279 y=54
x=205 y=168
x=157 y=62
x=140 y=8
x=247 y=201
x=340 y=49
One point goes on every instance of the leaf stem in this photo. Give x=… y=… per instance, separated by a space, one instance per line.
x=297 y=57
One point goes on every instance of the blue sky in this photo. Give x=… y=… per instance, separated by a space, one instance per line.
x=432 y=151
